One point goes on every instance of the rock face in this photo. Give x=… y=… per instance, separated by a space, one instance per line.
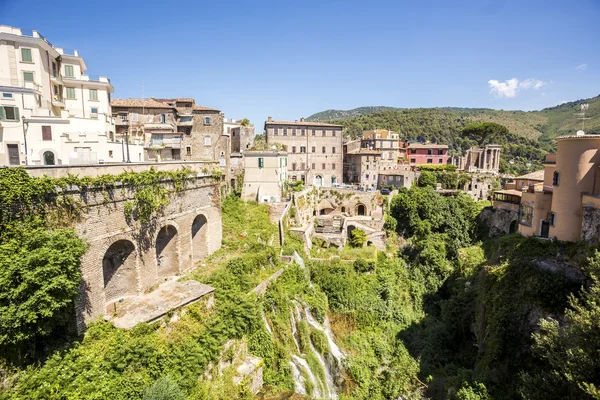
x=251 y=372
x=499 y=221
x=590 y=224
x=248 y=368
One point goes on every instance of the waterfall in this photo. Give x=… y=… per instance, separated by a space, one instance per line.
x=335 y=350
x=299 y=381
x=302 y=364
x=264 y=317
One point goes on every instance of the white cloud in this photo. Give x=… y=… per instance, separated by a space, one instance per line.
x=581 y=67
x=510 y=87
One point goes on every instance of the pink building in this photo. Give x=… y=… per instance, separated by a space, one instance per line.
x=427 y=154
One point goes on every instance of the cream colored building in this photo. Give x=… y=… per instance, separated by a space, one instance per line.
x=51 y=111
x=388 y=144
x=314 y=150
x=265 y=173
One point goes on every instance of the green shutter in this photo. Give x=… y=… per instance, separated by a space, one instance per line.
x=2 y=113
x=69 y=71
x=28 y=76
x=16 y=113
x=26 y=55
x=261 y=162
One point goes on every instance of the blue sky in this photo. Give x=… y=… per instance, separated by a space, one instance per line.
x=290 y=59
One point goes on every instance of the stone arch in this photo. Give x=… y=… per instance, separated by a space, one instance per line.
x=119 y=268
x=349 y=230
x=167 y=251
x=361 y=209
x=199 y=232
x=49 y=158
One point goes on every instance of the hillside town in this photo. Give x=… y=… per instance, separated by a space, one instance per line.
x=156 y=245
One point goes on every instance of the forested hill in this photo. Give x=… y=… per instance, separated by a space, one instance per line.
x=540 y=125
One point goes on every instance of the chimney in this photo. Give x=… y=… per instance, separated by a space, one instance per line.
x=302 y=119
x=269 y=119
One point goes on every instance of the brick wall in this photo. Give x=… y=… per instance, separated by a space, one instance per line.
x=126 y=260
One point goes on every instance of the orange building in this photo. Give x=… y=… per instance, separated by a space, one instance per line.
x=566 y=204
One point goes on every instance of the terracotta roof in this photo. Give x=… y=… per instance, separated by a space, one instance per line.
x=533 y=176
x=196 y=107
x=185 y=99
x=300 y=123
x=427 y=146
x=147 y=103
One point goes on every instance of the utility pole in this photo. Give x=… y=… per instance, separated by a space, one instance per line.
x=584 y=108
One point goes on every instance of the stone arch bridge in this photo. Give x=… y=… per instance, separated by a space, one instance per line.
x=127 y=260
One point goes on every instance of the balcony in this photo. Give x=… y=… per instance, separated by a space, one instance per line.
x=58 y=101
x=164 y=143
x=160 y=127
x=121 y=122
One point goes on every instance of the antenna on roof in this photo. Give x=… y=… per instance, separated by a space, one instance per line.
x=584 y=108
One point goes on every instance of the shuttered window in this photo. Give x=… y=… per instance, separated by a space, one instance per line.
x=9 y=113
x=69 y=71
x=46 y=133
x=28 y=76
x=93 y=94
x=70 y=93
x=261 y=162
x=26 y=55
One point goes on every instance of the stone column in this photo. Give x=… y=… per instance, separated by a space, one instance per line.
x=498 y=161
x=484 y=166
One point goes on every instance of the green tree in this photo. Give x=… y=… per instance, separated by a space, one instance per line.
x=427 y=178
x=39 y=280
x=164 y=389
x=358 y=238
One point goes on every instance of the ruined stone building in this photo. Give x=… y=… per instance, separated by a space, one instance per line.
x=361 y=165
x=479 y=159
x=314 y=150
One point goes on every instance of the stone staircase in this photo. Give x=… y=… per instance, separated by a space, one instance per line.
x=276 y=211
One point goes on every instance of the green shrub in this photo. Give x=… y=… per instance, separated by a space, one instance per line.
x=164 y=389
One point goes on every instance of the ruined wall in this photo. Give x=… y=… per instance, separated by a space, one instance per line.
x=497 y=221
x=127 y=259
x=590 y=224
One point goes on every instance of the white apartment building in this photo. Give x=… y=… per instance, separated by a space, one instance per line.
x=51 y=111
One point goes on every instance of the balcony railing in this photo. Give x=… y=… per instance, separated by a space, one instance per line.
x=167 y=142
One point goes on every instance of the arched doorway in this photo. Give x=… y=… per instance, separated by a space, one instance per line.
x=199 y=242
x=360 y=209
x=119 y=270
x=349 y=230
x=49 y=158
x=167 y=254
x=318 y=180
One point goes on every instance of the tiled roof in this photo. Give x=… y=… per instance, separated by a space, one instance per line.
x=300 y=123
x=511 y=192
x=204 y=108
x=427 y=146
x=533 y=176
x=147 y=103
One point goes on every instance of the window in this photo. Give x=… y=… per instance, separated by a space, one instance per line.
x=293 y=166
x=552 y=219
x=26 y=55
x=162 y=118
x=7 y=95
x=294 y=178
x=94 y=112
x=293 y=149
x=9 y=113
x=429 y=152
x=94 y=94
x=413 y=160
x=314 y=132
x=134 y=116
x=526 y=215
x=54 y=69
x=275 y=131
x=333 y=133
x=49 y=158
x=323 y=149
x=324 y=132
x=429 y=161
x=367 y=176
x=556 y=178
x=284 y=131
x=207 y=141
x=71 y=95
x=313 y=166
x=314 y=149
x=110 y=154
x=207 y=120
x=333 y=166
x=28 y=76
x=46 y=133
x=333 y=150
x=261 y=162
x=188 y=150
x=302 y=149
x=294 y=132
x=69 y=71
x=303 y=132
x=303 y=166
x=440 y=161
x=441 y=151
x=122 y=116
x=413 y=151
x=323 y=166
